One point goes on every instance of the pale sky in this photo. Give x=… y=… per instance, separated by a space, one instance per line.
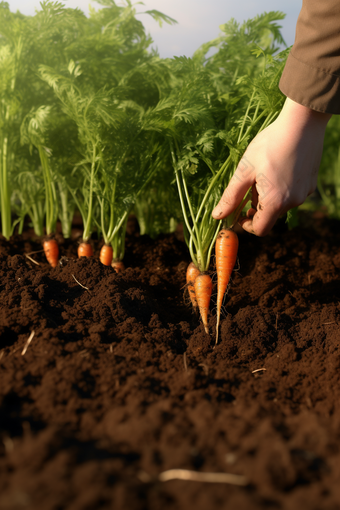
x=198 y=20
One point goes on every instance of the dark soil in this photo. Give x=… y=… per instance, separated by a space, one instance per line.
x=120 y=381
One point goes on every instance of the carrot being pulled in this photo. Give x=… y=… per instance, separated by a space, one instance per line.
x=85 y=250
x=226 y=248
x=191 y=275
x=51 y=250
x=203 y=290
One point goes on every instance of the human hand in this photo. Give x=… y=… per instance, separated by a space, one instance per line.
x=280 y=165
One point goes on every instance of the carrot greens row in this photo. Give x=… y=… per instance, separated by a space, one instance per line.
x=93 y=121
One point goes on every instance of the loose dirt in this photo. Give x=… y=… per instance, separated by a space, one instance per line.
x=120 y=382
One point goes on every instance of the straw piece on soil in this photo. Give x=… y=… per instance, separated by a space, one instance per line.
x=195 y=476
x=86 y=288
x=29 y=340
x=32 y=260
x=84 y=353
x=258 y=370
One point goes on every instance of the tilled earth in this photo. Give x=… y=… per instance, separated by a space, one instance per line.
x=120 y=382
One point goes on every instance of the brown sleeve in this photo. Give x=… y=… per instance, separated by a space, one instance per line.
x=311 y=76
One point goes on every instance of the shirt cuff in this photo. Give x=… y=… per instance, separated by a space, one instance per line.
x=310 y=86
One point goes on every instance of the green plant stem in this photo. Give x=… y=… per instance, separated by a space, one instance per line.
x=5 y=195
x=37 y=218
x=245 y=117
x=200 y=252
x=51 y=205
x=118 y=242
x=185 y=217
x=212 y=244
x=89 y=212
x=211 y=185
x=66 y=210
x=112 y=212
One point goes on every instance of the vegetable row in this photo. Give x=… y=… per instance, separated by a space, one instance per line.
x=92 y=120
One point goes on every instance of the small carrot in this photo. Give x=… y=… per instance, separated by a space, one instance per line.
x=192 y=273
x=105 y=256
x=118 y=265
x=85 y=250
x=51 y=250
x=203 y=290
x=226 y=248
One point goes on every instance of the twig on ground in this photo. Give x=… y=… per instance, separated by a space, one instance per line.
x=86 y=288
x=84 y=353
x=33 y=252
x=195 y=476
x=258 y=370
x=29 y=340
x=32 y=260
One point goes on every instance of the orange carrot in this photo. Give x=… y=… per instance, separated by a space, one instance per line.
x=51 y=250
x=118 y=265
x=226 y=248
x=105 y=256
x=192 y=273
x=85 y=250
x=203 y=289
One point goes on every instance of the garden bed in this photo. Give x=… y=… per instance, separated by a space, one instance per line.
x=120 y=382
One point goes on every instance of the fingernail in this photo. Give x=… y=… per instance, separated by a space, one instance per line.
x=216 y=212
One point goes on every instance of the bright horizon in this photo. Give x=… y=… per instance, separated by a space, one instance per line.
x=198 y=20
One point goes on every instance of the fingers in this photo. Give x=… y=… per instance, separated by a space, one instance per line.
x=233 y=194
x=257 y=225
x=260 y=220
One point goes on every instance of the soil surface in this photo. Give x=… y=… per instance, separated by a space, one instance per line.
x=120 y=383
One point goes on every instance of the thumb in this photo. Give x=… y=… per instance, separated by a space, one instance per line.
x=232 y=196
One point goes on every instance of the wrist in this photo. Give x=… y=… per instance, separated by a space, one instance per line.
x=301 y=117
